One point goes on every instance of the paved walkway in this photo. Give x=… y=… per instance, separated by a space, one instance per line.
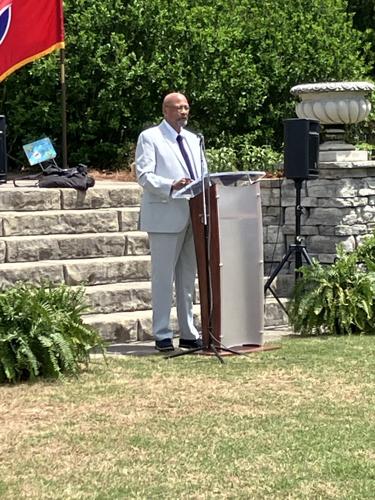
x=272 y=336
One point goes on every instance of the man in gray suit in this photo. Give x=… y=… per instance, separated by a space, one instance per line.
x=168 y=157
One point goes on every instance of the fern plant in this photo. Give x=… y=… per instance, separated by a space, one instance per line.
x=42 y=332
x=336 y=299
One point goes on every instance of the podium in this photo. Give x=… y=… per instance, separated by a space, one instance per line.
x=227 y=225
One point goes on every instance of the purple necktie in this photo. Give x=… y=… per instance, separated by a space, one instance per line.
x=185 y=155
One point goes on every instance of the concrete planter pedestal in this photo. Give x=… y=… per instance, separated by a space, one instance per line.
x=334 y=105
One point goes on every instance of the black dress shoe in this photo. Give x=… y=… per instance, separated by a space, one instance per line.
x=191 y=344
x=164 y=345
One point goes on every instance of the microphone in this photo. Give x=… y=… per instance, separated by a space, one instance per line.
x=201 y=140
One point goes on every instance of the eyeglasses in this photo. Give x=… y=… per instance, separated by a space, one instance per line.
x=179 y=107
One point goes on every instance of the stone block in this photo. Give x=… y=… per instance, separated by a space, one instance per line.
x=331 y=216
x=119 y=297
x=340 y=173
x=368 y=213
x=107 y=270
x=270 y=197
x=272 y=216
x=343 y=156
x=273 y=252
x=56 y=247
x=336 y=188
x=137 y=243
x=355 y=229
x=274 y=314
x=290 y=229
x=35 y=272
x=366 y=192
x=290 y=216
x=327 y=244
x=129 y=219
x=2 y=251
x=116 y=328
x=288 y=189
x=273 y=234
x=145 y=328
x=59 y=222
x=326 y=230
x=29 y=199
x=270 y=183
x=103 y=195
x=342 y=202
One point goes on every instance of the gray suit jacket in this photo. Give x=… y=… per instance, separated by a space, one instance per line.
x=158 y=164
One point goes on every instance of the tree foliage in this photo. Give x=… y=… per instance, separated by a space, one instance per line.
x=363 y=12
x=235 y=60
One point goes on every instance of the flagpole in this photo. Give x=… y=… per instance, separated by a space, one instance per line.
x=63 y=110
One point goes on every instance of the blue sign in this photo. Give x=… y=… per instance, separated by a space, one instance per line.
x=39 y=151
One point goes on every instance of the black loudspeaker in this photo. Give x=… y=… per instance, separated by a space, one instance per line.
x=3 y=151
x=301 y=148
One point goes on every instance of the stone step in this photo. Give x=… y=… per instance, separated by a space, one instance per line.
x=103 y=195
x=76 y=246
x=119 y=297
x=134 y=326
x=105 y=270
x=134 y=296
x=41 y=222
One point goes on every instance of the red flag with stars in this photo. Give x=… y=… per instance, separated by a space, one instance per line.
x=29 y=29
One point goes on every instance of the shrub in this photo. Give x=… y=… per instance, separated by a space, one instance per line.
x=366 y=253
x=221 y=159
x=42 y=333
x=336 y=299
x=243 y=156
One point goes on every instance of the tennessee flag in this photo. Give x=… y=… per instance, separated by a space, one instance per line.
x=29 y=29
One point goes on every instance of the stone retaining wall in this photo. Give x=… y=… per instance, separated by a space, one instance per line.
x=338 y=207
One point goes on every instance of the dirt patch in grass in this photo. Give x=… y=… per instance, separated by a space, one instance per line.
x=114 y=176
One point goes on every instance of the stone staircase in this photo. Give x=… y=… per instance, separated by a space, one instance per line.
x=90 y=238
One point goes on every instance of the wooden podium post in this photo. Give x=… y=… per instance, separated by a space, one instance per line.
x=206 y=238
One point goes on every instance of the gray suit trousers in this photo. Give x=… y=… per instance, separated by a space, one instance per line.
x=173 y=259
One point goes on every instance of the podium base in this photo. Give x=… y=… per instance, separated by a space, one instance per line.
x=220 y=352
x=241 y=349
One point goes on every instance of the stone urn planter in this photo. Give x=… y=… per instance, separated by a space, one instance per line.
x=335 y=103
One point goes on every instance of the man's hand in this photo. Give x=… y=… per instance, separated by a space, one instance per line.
x=181 y=183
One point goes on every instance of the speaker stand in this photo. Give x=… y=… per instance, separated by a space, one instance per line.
x=297 y=249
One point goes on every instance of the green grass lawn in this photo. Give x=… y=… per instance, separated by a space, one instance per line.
x=296 y=423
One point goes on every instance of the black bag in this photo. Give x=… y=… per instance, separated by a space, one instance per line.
x=55 y=177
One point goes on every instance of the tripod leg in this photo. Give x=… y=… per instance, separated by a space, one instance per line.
x=183 y=353
x=278 y=300
x=306 y=255
x=213 y=347
x=278 y=269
